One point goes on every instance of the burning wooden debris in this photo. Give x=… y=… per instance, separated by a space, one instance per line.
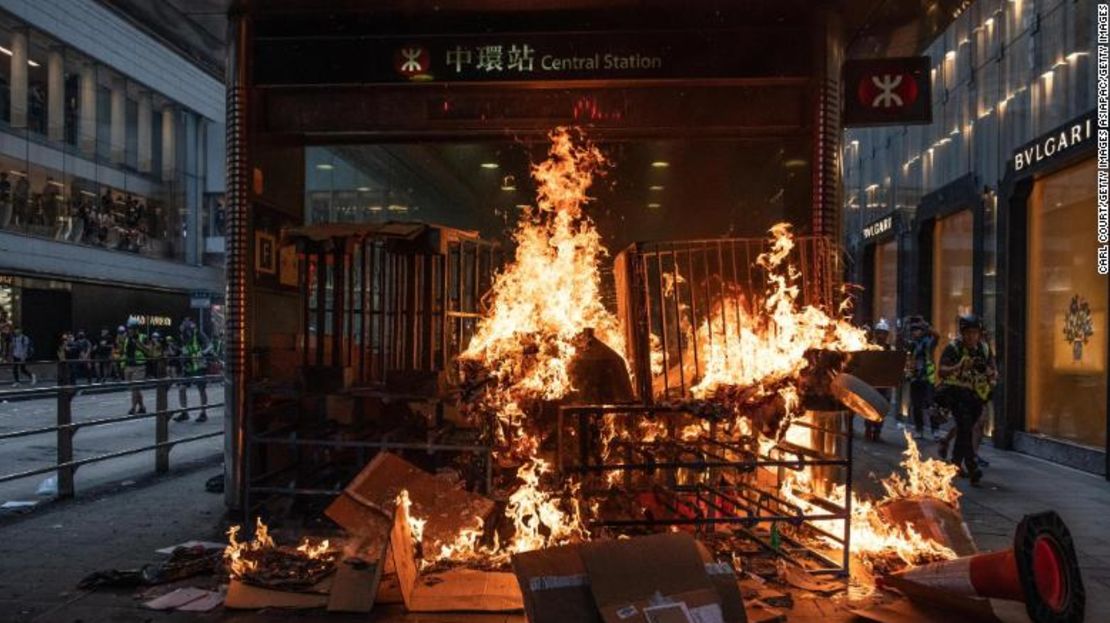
x=262 y=562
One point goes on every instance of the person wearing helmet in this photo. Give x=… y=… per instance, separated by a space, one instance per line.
x=195 y=351
x=880 y=336
x=921 y=373
x=135 y=350
x=967 y=376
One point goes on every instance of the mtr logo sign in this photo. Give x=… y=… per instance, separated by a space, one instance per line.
x=887 y=91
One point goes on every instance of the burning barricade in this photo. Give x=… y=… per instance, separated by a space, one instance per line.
x=705 y=406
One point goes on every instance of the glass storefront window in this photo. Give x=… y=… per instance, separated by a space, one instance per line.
x=91 y=156
x=1067 y=311
x=884 y=302
x=653 y=185
x=952 y=271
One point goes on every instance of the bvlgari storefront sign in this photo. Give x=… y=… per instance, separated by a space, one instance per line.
x=1058 y=143
x=878 y=228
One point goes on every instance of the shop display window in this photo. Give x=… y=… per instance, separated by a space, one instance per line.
x=953 y=251
x=884 y=302
x=1067 y=306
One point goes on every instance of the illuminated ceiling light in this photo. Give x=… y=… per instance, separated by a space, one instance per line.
x=949 y=55
x=490 y=165
x=508 y=188
x=654 y=206
x=363 y=189
x=398 y=208
x=954 y=132
x=655 y=188
x=523 y=206
x=1075 y=56
x=4 y=50
x=660 y=164
x=794 y=163
x=986 y=113
x=1059 y=64
x=871 y=187
x=989 y=23
x=323 y=166
x=375 y=208
x=1046 y=75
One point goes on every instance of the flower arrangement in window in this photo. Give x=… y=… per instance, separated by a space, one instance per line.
x=1078 y=325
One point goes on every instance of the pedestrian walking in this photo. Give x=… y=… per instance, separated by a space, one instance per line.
x=195 y=350
x=880 y=336
x=921 y=373
x=136 y=350
x=22 y=350
x=117 y=352
x=967 y=376
x=102 y=355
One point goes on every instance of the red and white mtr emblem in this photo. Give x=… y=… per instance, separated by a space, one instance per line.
x=884 y=91
x=412 y=60
x=887 y=90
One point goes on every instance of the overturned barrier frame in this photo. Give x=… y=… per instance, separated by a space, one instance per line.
x=668 y=466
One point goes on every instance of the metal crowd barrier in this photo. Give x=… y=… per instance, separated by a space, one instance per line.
x=66 y=428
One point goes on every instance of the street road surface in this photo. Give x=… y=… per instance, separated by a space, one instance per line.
x=25 y=453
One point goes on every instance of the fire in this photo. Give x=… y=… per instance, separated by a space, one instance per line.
x=875 y=541
x=550 y=293
x=539 y=306
x=766 y=342
x=247 y=558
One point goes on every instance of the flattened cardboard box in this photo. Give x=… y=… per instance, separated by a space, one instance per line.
x=369 y=500
x=653 y=579
x=555 y=586
x=453 y=590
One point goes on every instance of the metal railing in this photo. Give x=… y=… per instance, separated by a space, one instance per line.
x=66 y=428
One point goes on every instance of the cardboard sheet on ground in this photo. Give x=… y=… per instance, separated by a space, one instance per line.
x=243 y=596
x=932 y=519
x=369 y=499
x=189 y=599
x=556 y=586
x=456 y=589
x=630 y=578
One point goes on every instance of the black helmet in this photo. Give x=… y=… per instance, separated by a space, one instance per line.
x=970 y=321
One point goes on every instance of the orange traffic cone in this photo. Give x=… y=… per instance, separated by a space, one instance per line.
x=1040 y=570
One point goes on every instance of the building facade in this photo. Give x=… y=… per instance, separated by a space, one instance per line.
x=991 y=209
x=111 y=173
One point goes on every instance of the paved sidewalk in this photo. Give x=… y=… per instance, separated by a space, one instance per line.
x=1015 y=485
x=45 y=553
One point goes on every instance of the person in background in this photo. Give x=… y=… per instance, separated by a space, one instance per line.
x=6 y=326
x=136 y=351
x=117 y=352
x=102 y=354
x=22 y=351
x=82 y=347
x=921 y=373
x=967 y=376
x=171 y=353
x=195 y=349
x=880 y=336
x=66 y=354
x=156 y=364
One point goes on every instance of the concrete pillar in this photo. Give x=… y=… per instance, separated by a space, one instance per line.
x=117 y=131
x=143 y=133
x=86 y=111
x=18 y=96
x=169 y=144
x=55 y=95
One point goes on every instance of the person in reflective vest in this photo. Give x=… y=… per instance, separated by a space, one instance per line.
x=195 y=349
x=967 y=377
x=921 y=373
x=134 y=351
